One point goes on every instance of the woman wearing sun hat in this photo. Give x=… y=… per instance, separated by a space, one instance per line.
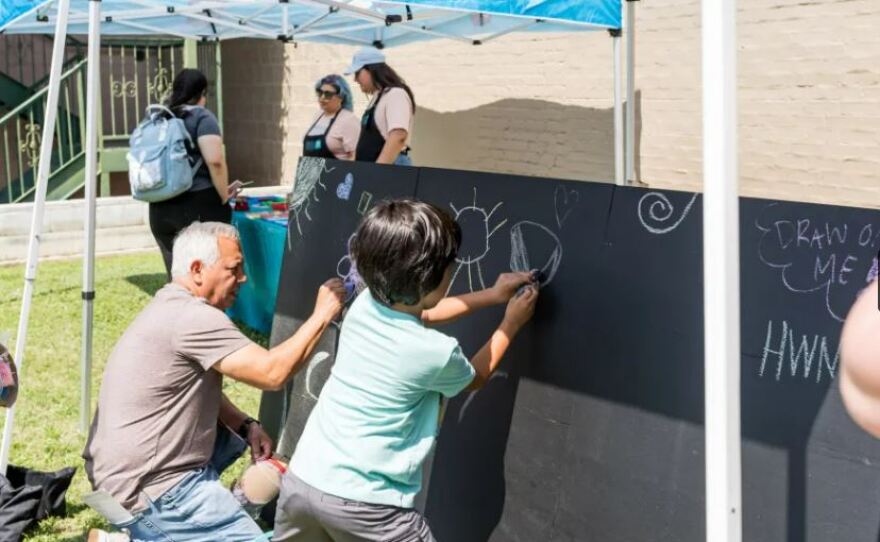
x=335 y=131
x=387 y=122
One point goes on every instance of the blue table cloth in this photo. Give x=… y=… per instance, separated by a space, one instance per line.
x=262 y=242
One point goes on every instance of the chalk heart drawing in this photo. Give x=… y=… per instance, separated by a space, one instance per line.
x=564 y=200
x=656 y=213
x=317 y=359
x=476 y=233
x=821 y=258
x=520 y=258
x=343 y=189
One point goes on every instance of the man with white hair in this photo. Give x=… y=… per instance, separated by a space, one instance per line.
x=163 y=429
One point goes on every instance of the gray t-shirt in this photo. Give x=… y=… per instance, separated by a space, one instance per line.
x=160 y=399
x=199 y=122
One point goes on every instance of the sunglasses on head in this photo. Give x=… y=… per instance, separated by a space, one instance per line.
x=328 y=94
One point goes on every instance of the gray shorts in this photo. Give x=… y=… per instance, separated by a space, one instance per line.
x=308 y=514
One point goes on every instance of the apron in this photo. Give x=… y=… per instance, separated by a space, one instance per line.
x=371 y=142
x=316 y=145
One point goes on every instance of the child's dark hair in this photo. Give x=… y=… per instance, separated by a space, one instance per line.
x=403 y=247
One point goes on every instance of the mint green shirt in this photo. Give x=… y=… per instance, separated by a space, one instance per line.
x=377 y=416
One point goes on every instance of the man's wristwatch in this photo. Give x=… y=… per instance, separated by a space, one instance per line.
x=245 y=427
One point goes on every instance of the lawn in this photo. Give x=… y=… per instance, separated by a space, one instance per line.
x=46 y=434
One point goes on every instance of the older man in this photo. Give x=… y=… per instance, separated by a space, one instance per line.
x=164 y=430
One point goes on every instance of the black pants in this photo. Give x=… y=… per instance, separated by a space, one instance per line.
x=169 y=217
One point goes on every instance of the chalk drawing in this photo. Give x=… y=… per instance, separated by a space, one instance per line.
x=305 y=191
x=347 y=271
x=472 y=394
x=655 y=212
x=317 y=359
x=564 y=201
x=364 y=203
x=821 y=257
x=797 y=356
x=519 y=254
x=343 y=189
x=477 y=230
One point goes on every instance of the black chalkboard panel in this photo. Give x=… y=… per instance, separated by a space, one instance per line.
x=329 y=200
x=593 y=427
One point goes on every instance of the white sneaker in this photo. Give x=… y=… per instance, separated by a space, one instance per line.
x=97 y=535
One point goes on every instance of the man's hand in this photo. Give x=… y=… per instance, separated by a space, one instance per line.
x=508 y=283
x=331 y=297
x=259 y=441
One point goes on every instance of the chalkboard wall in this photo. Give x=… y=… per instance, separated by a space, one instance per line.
x=591 y=430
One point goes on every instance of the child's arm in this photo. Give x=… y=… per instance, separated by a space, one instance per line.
x=519 y=311
x=450 y=309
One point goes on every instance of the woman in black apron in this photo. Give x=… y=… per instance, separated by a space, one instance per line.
x=387 y=122
x=334 y=134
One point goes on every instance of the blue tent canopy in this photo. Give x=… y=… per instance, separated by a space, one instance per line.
x=353 y=22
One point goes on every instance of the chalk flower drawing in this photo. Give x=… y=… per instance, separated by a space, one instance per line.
x=519 y=254
x=477 y=231
x=655 y=212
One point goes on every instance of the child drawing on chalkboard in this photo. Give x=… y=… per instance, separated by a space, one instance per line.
x=358 y=464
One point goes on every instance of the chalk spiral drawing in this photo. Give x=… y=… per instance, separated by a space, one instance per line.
x=655 y=212
x=813 y=256
x=305 y=190
x=519 y=254
x=477 y=230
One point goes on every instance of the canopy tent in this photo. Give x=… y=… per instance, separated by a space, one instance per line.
x=383 y=24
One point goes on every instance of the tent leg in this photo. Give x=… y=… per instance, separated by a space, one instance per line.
x=630 y=130
x=43 y=166
x=618 y=111
x=721 y=299
x=91 y=177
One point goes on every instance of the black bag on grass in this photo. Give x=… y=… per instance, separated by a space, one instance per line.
x=28 y=496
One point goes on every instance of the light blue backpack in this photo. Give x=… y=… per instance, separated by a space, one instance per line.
x=158 y=164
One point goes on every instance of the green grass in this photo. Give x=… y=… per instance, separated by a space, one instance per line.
x=46 y=434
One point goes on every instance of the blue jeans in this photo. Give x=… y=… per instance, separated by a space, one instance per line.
x=198 y=508
x=403 y=160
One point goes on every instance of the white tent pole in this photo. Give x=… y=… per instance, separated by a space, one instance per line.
x=43 y=166
x=618 y=111
x=630 y=131
x=93 y=85
x=721 y=274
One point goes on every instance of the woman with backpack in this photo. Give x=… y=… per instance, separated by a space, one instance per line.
x=207 y=198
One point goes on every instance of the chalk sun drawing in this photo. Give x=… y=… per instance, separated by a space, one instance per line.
x=477 y=231
x=519 y=253
x=655 y=212
x=305 y=191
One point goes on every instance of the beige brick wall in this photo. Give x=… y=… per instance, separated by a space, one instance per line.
x=540 y=104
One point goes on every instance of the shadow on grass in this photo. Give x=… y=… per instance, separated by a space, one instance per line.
x=148 y=283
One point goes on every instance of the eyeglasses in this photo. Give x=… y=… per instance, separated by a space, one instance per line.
x=326 y=94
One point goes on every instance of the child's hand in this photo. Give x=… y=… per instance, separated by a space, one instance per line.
x=521 y=308
x=508 y=283
x=331 y=297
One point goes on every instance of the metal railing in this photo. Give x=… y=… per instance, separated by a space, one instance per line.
x=21 y=131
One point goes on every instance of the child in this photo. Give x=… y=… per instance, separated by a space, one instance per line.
x=358 y=465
